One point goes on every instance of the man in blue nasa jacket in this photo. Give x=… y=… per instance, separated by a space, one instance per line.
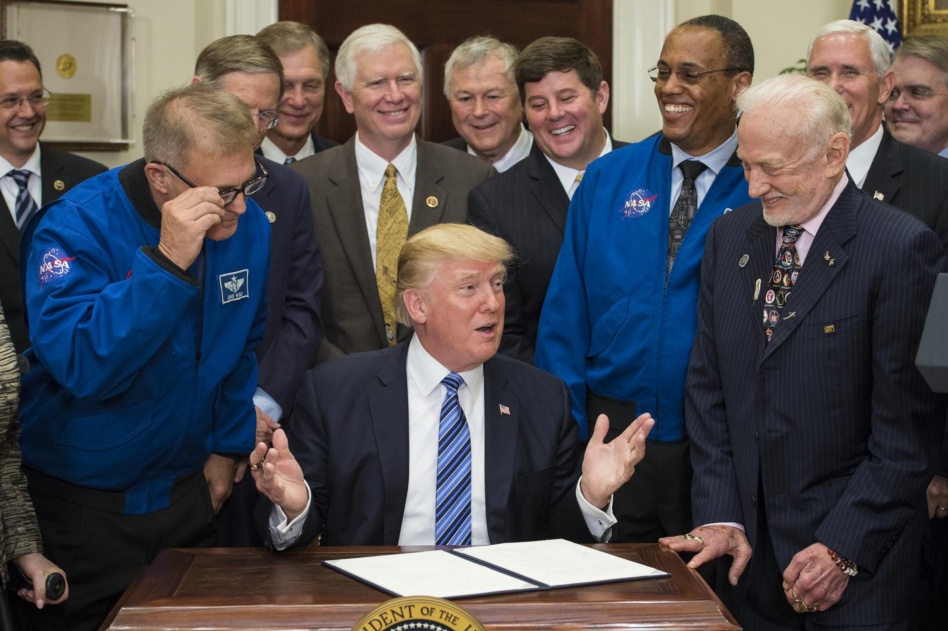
x=145 y=293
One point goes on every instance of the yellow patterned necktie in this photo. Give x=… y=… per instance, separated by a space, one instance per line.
x=390 y=235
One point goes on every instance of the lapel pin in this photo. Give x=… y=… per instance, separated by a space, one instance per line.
x=59 y=185
x=271 y=217
x=432 y=202
x=756 y=290
x=832 y=261
x=744 y=260
x=826 y=256
x=789 y=315
x=504 y=409
x=879 y=196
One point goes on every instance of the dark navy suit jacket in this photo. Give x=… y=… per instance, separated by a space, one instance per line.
x=349 y=432
x=526 y=205
x=829 y=423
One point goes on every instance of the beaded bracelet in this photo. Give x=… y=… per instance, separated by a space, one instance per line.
x=848 y=567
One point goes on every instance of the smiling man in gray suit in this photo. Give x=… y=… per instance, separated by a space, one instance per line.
x=383 y=185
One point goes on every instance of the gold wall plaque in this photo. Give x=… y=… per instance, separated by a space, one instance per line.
x=418 y=612
x=72 y=108
x=66 y=65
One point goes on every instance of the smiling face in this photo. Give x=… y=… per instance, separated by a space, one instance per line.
x=699 y=117
x=304 y=88
x=459 y=316
x=385 y=99
x=23 y=123
x=485 y=108
x=843 y=61
x=792 y=180
x=919 y=114
x=565 y=117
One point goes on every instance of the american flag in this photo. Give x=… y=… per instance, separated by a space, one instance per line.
x=880 y=15
x=504 y=409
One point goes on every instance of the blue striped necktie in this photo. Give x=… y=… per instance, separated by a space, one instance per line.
x=453 y=501
x=25 y=204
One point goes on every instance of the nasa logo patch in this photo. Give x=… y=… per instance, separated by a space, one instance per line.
x=54 y=265
x=234 y=286
x=637 y=204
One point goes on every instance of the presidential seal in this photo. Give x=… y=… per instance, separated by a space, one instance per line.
x=418 y=613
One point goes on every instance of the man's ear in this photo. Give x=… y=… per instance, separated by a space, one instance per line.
x=157 y=176
x=345 y=96
x=195 y=79
x=837 y=151
x=416 y=305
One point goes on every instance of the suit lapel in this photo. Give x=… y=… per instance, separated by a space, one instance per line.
x=344 y=203
x=881 y=183
x=9 y=234
x=547 y=190
x=824 y=261
x=430 y=197
x=761 y=254
x=388 y=407
x=502 y=413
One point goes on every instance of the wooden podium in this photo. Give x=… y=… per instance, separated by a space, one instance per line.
x=253 y=588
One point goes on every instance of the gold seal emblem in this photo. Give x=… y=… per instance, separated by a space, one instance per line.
x=59 y=185
x=432 y=202
x=66 y=65
x=271 y=217
x=418 y=612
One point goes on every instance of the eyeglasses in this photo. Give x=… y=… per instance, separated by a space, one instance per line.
x=687 y=77
x=269 y=117
x=228 y=195
x=914 y=94
x=40 y=97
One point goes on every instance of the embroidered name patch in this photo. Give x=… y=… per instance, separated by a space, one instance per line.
x=234 y=286
x=54 y=265
x=637 y=204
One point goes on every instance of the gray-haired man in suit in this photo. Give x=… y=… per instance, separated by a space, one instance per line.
x=381 y=186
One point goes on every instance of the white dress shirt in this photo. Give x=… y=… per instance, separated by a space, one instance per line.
x=567 y=175
x=517 y=152
x=715 y=160
x=8 y=186
x=861 y=157
x=271 y=152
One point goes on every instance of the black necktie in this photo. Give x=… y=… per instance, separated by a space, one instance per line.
x=684 y=210
x=289 y=160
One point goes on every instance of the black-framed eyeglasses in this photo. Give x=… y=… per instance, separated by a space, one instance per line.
x=269 y=118
x=40 y=97
x=228 y=195
x=914 y=94
x=685 y=76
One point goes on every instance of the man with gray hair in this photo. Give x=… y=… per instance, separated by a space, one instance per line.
x=305 y=59
x=246 y=67
x=917 y=110
x=809 y=423
x=855 y=61
x=482 y=92
x=145 y=295
x=383 y=185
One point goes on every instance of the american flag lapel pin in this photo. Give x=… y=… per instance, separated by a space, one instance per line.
x=504 y=409
x=878 y=196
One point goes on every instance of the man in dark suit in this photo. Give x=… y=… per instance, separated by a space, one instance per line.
x=385 y=182
x=809 y=422
x=305 y=59
x=917 y=110
x=437 y=440
x=485 y=103
x=49 y=173
x=856 y=62
x=619 y=315
x=527 y=205
x=246 y=67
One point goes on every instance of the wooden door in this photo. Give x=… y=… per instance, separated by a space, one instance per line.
x=437 y=27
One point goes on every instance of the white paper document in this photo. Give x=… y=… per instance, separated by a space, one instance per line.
x=496 y=569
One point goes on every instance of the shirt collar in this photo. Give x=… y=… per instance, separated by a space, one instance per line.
x=715 y=159
x=372 y=166
x=566 y=175
x=861 y=157
x=517 y=152
x=32 y=165
x=812 y=225
x=427 y=372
